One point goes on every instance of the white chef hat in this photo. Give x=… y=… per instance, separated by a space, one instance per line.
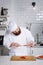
x=12 y=26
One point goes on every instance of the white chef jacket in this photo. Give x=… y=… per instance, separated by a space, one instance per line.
x=24 y=38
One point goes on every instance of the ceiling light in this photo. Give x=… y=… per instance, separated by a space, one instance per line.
x=33 y=4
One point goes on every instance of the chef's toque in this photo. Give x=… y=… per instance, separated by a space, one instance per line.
x=12 y=26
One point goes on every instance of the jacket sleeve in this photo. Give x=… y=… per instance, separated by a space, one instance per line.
x=6 y=42
x=29 y=37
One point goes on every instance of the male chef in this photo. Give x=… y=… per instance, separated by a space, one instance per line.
x=18 y=40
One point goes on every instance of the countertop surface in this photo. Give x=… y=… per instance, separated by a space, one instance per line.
x=5 y=60
x=37 y=46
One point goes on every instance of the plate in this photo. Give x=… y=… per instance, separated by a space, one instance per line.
x=40 y=57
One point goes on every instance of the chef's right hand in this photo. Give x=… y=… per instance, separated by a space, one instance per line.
x=14 y=44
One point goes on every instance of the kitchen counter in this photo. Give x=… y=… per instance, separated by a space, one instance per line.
x=36 y=50
x=37 y=46
x=5 y=60
x=3 y=50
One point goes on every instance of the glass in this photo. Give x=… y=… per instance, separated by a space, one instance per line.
x=29 y=48
x=12 y=51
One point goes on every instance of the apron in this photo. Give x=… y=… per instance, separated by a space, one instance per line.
x=21 y=50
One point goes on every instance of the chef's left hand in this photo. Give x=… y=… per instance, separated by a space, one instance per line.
x=31 y=44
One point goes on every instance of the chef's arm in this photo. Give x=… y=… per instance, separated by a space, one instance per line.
x=14 y=44
x=30 y=40
x=31 y=44
x=7 y=43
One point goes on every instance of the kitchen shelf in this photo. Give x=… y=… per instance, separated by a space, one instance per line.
x=4 y=16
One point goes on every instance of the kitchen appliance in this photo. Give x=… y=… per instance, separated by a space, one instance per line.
x=41 y=44
x=4 y=11
x=1 y=39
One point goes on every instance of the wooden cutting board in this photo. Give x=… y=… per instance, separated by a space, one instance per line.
x=22 y=58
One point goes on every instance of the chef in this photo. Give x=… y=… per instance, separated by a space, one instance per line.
x=18 y=40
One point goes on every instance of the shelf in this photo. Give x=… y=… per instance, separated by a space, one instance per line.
x=4 y=16
x=3 y=26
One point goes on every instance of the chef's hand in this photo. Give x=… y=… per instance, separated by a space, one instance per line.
x=14 y=44
x=31 y=44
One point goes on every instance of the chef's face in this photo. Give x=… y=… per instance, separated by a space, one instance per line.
x=17 y=31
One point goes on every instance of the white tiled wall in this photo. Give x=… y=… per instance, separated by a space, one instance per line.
x=22 y=12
